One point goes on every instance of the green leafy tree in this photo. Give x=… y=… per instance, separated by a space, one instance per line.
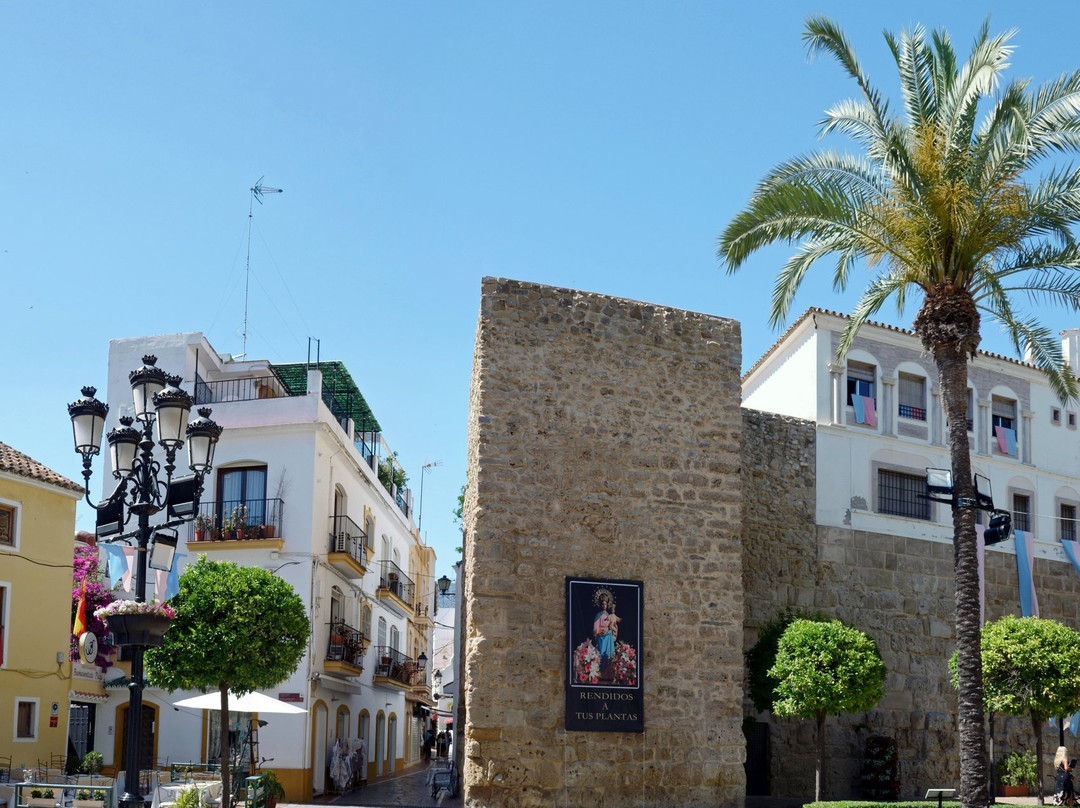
x=762 y=656
x=941 y=202
x=236 y=628
x=1030 y=668
x=825 y=668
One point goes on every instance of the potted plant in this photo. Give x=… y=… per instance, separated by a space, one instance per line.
x=267 y=530
x=41 y=798
x=239 y=516
x=136 y=623
x=188 y=797
x=203 y=523
x=1018 y=773
x=92 y=763
x=274 y=789
x=85 y=798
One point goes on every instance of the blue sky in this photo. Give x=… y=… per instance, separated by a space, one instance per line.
x=422 y=146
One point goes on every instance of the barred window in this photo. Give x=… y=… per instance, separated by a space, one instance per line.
x=912 y=396
x=902 y=495
x=1021 y=512
x=1067 y=522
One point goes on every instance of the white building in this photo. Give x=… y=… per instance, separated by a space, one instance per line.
x=871 y=462
x=875 y=557
x=299 y=459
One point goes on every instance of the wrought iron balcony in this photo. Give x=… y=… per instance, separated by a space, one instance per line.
x=394 y=667
x=348 y=537
x=247 y=388
x=393 y=579
x=239 y=519
x=346 y=645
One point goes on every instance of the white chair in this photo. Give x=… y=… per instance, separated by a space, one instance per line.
x=211 y=795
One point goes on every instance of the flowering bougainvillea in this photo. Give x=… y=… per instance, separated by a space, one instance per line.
x=97 y=595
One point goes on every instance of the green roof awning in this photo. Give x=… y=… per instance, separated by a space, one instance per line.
x=339 y=391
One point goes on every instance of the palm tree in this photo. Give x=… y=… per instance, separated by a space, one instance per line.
x=941 y=201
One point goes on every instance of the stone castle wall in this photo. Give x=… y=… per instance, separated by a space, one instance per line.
x=897 y=590
x=604 y=441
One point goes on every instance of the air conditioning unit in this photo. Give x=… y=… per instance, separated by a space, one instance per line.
x=341 y=545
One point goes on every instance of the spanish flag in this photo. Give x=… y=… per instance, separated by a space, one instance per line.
x=80 y=612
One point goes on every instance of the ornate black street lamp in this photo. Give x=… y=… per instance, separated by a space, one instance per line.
x=141 y=492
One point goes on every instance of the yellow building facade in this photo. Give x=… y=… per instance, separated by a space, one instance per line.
x=37 y=526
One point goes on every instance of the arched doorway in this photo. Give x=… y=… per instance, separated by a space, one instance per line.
x=318 y=750
x=379 y=755
x=391 y=742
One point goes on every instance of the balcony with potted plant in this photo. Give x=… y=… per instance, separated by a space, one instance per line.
x=396 y=590
x=238 y=525
x=345 y=650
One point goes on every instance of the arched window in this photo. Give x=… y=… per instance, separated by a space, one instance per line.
x=382 y=632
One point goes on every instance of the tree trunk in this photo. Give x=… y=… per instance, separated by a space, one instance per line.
x=951 y=360
x=819 y=773
x=1036 y=727
x=226 y=769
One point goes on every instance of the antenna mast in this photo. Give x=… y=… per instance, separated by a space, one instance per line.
x=257 y=191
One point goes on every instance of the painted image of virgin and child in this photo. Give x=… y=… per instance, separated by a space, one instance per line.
x=603 y=658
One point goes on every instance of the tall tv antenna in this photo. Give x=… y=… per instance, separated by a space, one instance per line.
x=257 y=191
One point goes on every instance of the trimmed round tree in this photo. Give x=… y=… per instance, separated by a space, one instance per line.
x=237 y=629
x=1030 y=668
x=762 y=656
x=825 y=668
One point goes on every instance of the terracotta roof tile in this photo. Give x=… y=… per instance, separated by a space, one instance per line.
x=810 y=312
x=15 y=462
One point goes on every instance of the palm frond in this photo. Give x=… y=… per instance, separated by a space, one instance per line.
x=811 y=195
x=877 y=293
x=1042 y=348
x=822 y=34
x=915 y=64
x=977 y=78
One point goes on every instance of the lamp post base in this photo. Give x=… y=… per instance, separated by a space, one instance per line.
x=130 y=800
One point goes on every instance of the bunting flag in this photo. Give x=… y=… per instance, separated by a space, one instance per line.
x=80 y=612
x=160 y=579
x=869 y=410
x=1006 y=440
x=172 y=586
x=857 y=402
x=115 y=556
x=1025 y=562
x=129 y=559
x=1072 y=552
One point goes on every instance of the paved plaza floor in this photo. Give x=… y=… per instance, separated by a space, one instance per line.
x=409 y=789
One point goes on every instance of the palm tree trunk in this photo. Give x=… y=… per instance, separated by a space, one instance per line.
x=951 y=362
x=819 y=773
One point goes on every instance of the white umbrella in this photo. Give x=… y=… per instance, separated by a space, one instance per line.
x=254 y=702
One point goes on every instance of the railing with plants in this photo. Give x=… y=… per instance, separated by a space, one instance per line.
x=237 y=519
x=247 y=388
x=348 y=537
x=392 y=577
x=392 y=664
x=346 y=644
